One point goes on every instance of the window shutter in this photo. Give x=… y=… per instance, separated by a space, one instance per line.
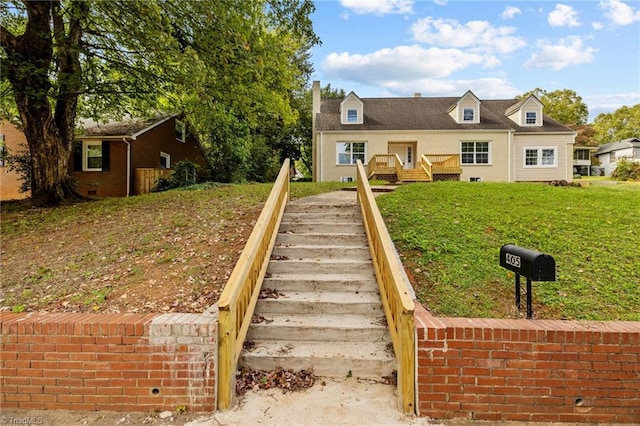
x=106 y=156
x=77 y=156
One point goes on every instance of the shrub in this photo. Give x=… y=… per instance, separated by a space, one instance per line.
x=627 y=169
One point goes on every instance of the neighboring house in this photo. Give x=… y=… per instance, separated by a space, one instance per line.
x=126 y=158
x=582 y=159
x=453 y=138
x=610 y=153
x=12 y=142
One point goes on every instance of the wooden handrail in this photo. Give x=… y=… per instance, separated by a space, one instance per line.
x=427 y=167
x=240 y=294
x=394 y=291
x=444 y=160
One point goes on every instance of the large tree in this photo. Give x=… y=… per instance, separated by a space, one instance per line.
x=621 y=124
x=563 y=105
x=234 y=60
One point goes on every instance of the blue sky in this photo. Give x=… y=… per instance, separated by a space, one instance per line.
x=498 y=49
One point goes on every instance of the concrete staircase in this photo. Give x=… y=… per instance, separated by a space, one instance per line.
x=322 y=308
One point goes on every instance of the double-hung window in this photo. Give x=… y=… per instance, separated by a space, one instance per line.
x=540 y=157
x=91 y=156
x=475 y=153
x=467 y=114
x=180 y=131
x=352 y=115
x=350 y=152
x=531 y=117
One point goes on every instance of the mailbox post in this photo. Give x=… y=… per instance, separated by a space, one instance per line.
x=534 y=266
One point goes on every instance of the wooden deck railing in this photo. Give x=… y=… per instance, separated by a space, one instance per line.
x=239 y=296
x=386 y=164
x=445 y=163
x=394 y=291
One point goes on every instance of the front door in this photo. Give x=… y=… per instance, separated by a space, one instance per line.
x=406 y=152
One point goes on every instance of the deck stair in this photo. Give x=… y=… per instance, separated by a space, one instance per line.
x=320 y=307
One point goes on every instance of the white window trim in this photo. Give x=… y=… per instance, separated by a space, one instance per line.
x=85 y=156
x=351 y=159
x=539 y=158
x=180 y=124
x=168 y=157
x=524 y=118
x=473 y=115
x=490 y=160
x=357 y=116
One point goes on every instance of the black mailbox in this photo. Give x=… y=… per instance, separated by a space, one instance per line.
x=528 y=263
x=532 y=265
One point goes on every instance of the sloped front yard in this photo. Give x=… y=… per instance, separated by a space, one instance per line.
x=449 y=235
x=165 y=252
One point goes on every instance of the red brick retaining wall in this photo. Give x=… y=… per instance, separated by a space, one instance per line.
x=489 y=369
x=118 y=362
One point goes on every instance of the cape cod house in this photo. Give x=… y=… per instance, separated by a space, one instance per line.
x=126 y=158
x=439 y=138
x=610 y=153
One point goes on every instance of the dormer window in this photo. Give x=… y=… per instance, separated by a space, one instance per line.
x=466 y=110
x=351 y=109
x=468 y=114
x=531 y=117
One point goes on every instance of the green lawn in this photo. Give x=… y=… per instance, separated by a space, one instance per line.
x=449 y=235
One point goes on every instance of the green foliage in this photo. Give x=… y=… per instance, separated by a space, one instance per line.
x=627 y=169
x=21 y=164
x=185 y=173
x=563 y=105
x=449 y=235
x=623 y=123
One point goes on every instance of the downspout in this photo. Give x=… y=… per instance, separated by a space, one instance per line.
x=320 y=157
x=509 y=157
x=124 y=139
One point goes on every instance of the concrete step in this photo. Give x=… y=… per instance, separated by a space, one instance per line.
x=310 y=327
x=359 y=359
x=346 y=283
x=331 y=217
x=302 y=252
x=324 y=207
x=345 y=240
x=322 y=228
x=362 y=268
x=309 y=302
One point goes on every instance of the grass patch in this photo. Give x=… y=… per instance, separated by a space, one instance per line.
x=450 y=233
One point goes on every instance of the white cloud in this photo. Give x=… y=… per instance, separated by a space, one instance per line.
x=484 y=88
x=474 y=35
x=378 y=7
x=619 y=13
x=440 y=2
x=597 y=25
x=568 y=51
x=402 y=63
x=510 y=12
x=563 y=16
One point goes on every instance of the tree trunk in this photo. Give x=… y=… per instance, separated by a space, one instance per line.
x=29 y=66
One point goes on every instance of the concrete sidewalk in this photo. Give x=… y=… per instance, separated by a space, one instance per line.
x=331 y=401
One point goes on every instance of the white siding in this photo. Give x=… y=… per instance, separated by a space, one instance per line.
x=564 y=151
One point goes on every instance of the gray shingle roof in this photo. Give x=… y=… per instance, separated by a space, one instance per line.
x=125 y=128
x=614 y=146
x=419 y=113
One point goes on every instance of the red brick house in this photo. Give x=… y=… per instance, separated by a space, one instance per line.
x=126 y=158
x=12 y=142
